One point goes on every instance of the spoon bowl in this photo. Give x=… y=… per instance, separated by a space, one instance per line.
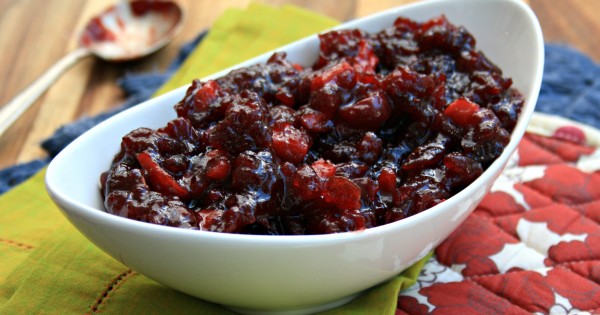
x=131 y=30
x=126 y=31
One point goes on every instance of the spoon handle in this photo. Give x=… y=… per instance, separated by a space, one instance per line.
x=12 y=110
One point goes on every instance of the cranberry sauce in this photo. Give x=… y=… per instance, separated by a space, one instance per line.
x=381 y=127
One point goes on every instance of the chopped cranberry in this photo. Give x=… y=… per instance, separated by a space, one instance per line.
x=218 y=169
x=461 y=169
x=323 y=168
x=176 y=165
x=351 y=46
x=196 y=105
x=462 y=111
x=137 y=141
x=290 y=143
x=282 y=114
x=313 y=120
x=158 y=179
x=427 y=155
x=440 y=34
x=325 y=221
x=352 y=169
x=276 y=81
x=387 y=180
x=369 y=148
x=306 y=183
x=244 y=127
x=368 y=113
x=331 y=89
x=342 y=192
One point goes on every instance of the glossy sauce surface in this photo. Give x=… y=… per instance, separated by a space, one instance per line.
x=381 y=127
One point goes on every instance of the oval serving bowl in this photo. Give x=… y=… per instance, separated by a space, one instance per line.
x=293 y=274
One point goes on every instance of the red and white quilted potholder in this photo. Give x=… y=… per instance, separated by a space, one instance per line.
x=533 y=244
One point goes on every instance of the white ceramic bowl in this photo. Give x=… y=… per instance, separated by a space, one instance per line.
x=293 y=273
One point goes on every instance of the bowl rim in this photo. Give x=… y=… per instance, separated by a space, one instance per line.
x=98 y=215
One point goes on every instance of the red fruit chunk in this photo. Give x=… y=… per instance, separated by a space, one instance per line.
x=508 y=109
x=239 y=213
x=387 y=180
x=306 y=184
x=418 y=194
x=309 y=181
x=206 y=95
x=406 y=25
x=176 y=165
x=365 y=60
x=426 y=155
x=369 y=148
x=180 y=129
x=323 y=168
x=331 y=88
x=463 y=112
x=163 y=211
x=325 y=221
x=288 y=169
x=354 y=169
x=367 y=82
x=313 y=120
x=209 y=219
x=276 y=81
x=298 y=67
x=461 y=169
x=343 y=193
x=290 y=143
x=369 y=113
x=351 y=46
x=197 y=101
x=404 y=82
x=245 y=126
x=122 y=177
x=282 y=114
x=440 y=34
x=158 y=179
x=341 y=74
x=327 y=100
x=179 y=137
x=255 y=170
x=218 y=169
x=139 y=140
x=439 y=21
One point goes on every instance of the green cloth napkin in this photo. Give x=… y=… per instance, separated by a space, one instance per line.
x=48 y=267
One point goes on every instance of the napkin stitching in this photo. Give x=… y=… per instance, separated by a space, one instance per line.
x=515 y=303
x=555 y=203
x=113 y=285
x=472 y=280
x=571 y=205
x=510 y=301
x=513 y=237
x=16 y=244
x=564 y=265
x=547 y=148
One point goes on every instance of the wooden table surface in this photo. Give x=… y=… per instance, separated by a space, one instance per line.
x=36 y=33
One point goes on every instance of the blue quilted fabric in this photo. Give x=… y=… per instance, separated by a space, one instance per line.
x=570 y=88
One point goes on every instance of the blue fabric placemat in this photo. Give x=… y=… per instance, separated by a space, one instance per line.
x=570 y=88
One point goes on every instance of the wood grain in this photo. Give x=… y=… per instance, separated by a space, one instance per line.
x=32 y=45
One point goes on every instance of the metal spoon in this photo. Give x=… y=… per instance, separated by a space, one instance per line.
x=126 y=31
